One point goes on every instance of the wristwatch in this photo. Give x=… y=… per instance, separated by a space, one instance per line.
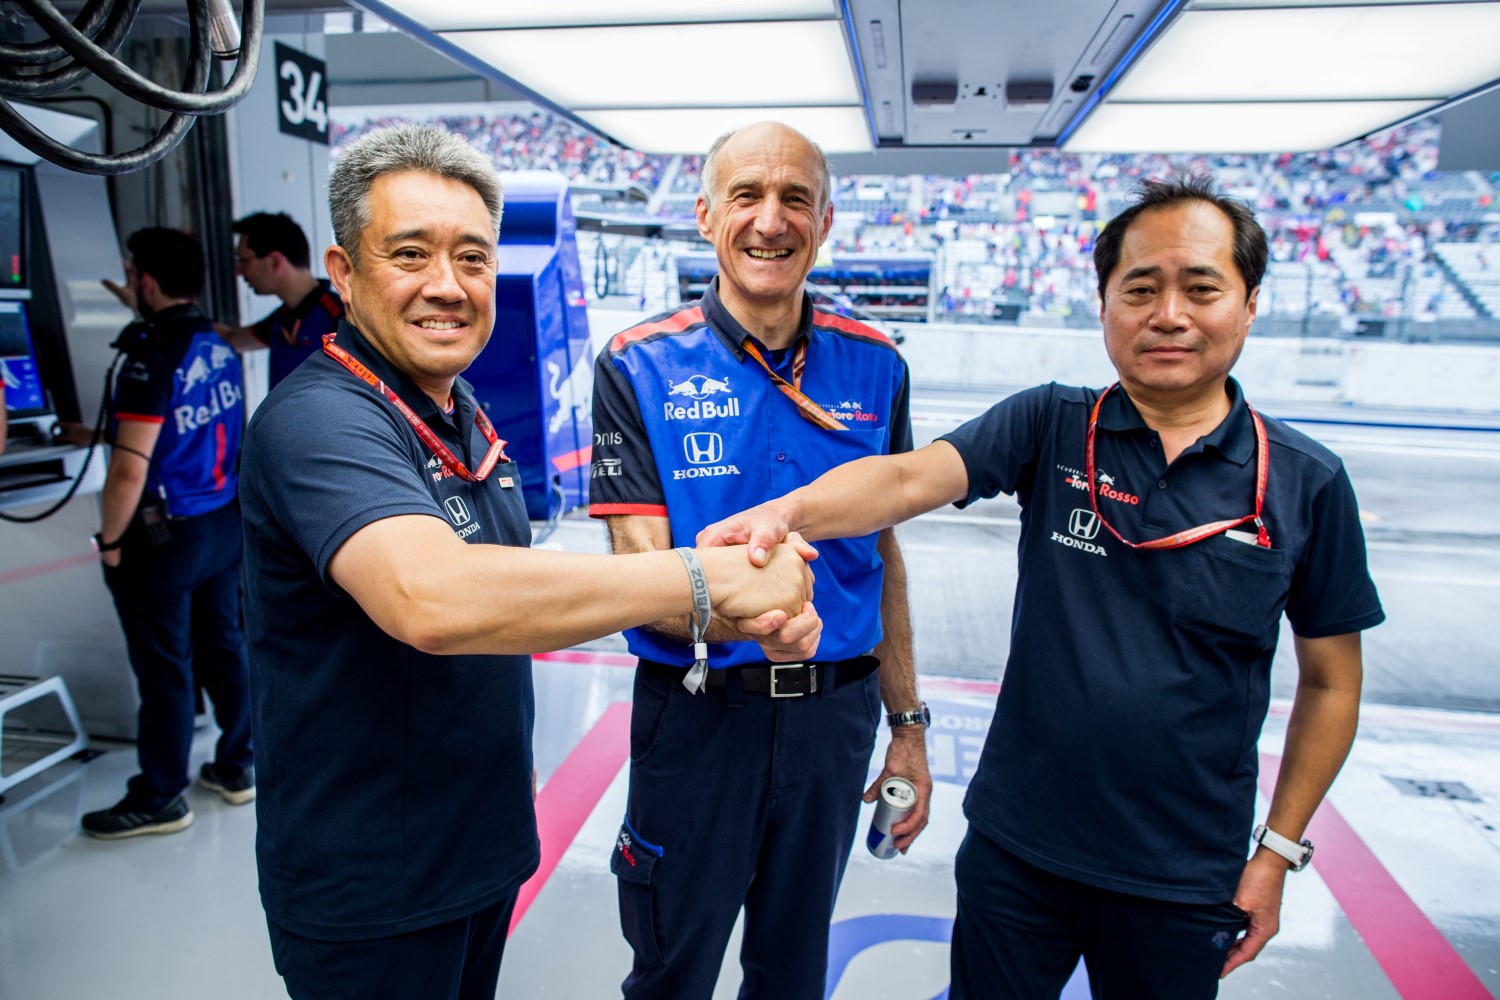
x=921 y=717
x=1298 y=855
x=100 y=545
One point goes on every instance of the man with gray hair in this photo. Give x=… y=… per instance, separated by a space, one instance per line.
x=392 y=601
x=745 y=783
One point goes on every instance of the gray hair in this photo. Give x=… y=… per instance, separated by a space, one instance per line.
x=398 y=149
x=709 y=175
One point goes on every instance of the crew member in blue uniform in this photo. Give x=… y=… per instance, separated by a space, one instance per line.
x=170 y=538
x=391 y=602
x=272 y=256
x=1166 y=528
x=747 y=791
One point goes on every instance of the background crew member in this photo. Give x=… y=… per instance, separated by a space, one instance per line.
x=391 y=600
x=271 y=254
x=1113 y=801
x=744 y=798
x=170 y=537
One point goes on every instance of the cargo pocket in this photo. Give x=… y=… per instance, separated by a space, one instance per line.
x=634 y=864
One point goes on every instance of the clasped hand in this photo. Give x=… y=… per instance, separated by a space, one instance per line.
x=783 y=581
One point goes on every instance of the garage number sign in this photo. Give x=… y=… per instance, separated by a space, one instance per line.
x=302 y=107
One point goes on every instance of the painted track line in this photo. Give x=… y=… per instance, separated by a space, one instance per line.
x=1414 y=955
x=571 y=794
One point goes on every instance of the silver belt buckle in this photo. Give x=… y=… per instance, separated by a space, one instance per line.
x=812 y=685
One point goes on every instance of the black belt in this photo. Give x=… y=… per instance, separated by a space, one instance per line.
x=780 y=680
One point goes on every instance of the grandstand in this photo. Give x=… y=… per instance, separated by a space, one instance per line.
x=1367 y=239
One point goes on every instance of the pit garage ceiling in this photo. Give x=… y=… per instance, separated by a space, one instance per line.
x=950 y=75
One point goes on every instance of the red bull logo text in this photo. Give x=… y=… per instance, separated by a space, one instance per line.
x=704 y=410
x=221 y=398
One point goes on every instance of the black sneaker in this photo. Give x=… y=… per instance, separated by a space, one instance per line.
x=121 y=820
x=236 y=787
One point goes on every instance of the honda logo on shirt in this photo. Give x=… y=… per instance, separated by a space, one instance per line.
x=703 y=447
x=1083 y=523
x=458 y=511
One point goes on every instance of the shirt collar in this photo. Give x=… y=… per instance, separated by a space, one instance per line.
x=729 y=330
x=310 y=301
x=351 y=340
x=1234 y=438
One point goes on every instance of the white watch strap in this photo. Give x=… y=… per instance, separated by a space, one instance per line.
x=1298 y=855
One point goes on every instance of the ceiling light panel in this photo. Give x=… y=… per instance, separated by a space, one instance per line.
x=793 y=62
x=1275 y=127
x=446 y=15
x=693 y=130
x=1381 y=52
x=1222 y=4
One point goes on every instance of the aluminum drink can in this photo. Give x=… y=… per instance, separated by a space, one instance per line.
x=898 y=797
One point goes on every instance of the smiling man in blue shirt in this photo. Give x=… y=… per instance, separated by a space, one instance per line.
x=747 y=791
x=1166 y=528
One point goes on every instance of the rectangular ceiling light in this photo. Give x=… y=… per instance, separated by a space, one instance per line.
x=446 y=15
x=1220 y=4
x=1379 y=52
x=693 y=130
x=1274 y=127
x=679 y=65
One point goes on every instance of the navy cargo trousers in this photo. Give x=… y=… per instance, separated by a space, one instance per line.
x=738 y=799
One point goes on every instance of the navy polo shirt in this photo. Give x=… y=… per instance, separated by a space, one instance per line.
x=1123 y=749
x=687 y=425
x=395 y=785
x=294 y=333
x=179 y=374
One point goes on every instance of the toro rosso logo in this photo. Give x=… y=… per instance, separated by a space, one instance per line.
x=698 y=387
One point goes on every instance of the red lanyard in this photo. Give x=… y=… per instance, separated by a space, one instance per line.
x=1191 y=535
x=793 y=389
x=449 y=460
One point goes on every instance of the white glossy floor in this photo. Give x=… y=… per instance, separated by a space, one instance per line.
x=1402 y=900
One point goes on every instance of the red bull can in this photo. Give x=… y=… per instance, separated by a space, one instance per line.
x=898 y=797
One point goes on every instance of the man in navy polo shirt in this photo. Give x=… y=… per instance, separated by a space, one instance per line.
x=272 y=256
x=169 y=538
x=1166 y=527
x=745 y=783
x=391 y=602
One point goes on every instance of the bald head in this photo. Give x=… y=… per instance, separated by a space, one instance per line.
x=755 y=136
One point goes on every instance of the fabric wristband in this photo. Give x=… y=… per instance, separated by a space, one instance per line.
x=703 y=610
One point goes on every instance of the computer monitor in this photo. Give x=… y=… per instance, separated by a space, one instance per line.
x=24 y=396
x=13 y=227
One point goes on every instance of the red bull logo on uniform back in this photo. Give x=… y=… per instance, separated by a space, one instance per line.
x=197 y=373
x=221 y=398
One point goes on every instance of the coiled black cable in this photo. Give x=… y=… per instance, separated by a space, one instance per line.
x=88 y=44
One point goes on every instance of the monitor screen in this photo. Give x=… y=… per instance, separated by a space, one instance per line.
x=23 y=383
x=12 y=228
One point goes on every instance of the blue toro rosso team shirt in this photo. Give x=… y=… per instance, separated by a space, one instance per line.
x=690 y=427
x=1123 y=749
x=295 y=333
x=395 y=785
x=181 y=375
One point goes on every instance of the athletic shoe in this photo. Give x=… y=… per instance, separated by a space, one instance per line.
x=121 y=820
x=236 y=786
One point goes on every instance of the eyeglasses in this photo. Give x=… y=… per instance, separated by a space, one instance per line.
x=243 y=260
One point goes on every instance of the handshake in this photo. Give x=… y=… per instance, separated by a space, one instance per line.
x=765 y=592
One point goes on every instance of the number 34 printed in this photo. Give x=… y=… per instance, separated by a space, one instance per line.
x=304 y=111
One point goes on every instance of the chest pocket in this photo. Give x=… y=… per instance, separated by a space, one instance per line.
x=819 y=450
x=1233 y=591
